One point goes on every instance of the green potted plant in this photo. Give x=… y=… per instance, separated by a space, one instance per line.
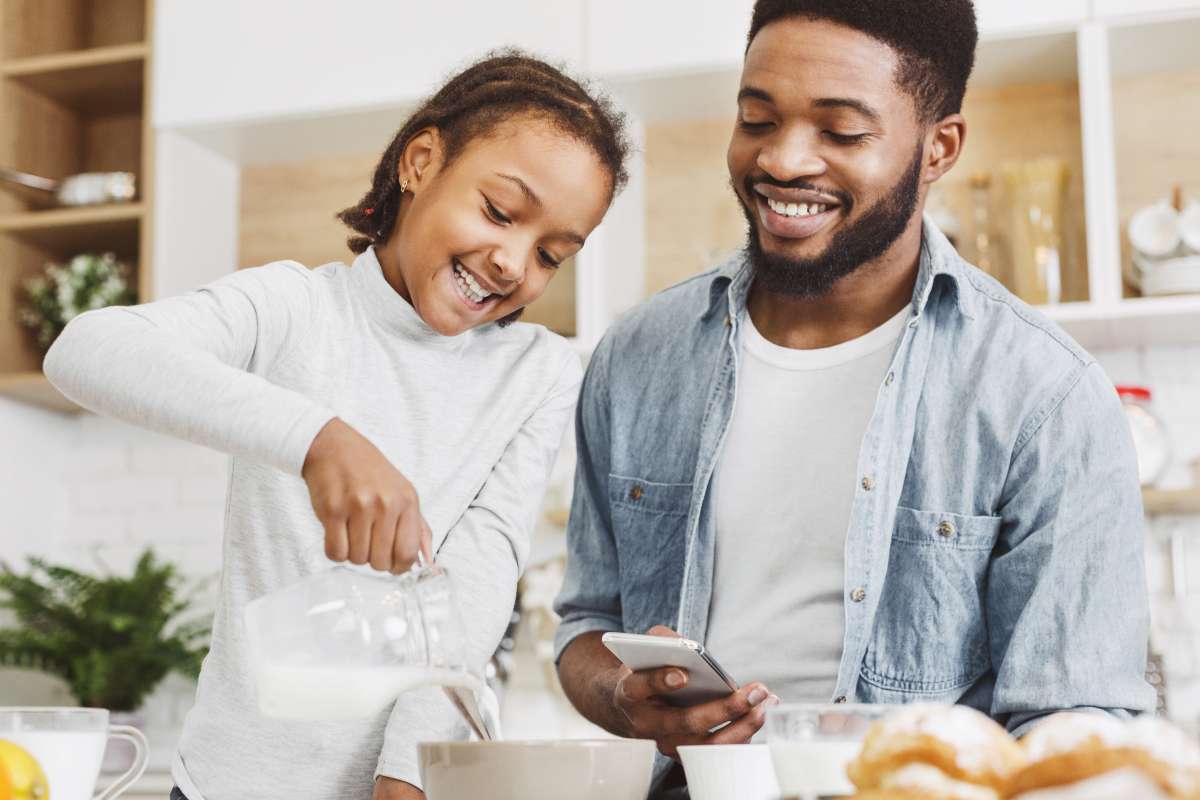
x=87 y=282
x=111 y=638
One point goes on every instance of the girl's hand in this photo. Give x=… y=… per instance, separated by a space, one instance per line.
x=370 y=511
x=391 y=789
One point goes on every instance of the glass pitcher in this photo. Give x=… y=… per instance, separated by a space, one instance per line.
x=343 y=644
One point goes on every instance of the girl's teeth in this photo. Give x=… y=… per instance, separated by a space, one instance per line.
x=469 y=285
x=796 y=209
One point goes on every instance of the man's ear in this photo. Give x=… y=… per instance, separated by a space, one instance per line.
x=946 y=144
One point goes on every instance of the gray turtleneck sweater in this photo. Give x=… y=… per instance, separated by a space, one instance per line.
x=254 y=365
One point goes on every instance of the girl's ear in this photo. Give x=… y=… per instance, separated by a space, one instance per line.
x=421 y=158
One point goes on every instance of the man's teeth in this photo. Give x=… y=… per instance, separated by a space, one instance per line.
x=796 y=209
x=471 y=288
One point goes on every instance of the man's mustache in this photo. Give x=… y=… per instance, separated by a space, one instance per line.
x=842 y=197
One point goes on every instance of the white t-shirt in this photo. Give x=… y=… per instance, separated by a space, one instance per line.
x=783 y=489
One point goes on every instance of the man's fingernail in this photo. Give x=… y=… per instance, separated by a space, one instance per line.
x=674 y=679
x=757 y=696
x=774 y=700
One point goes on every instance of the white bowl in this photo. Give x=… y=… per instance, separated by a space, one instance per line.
x=609 y=769
x=725 y=771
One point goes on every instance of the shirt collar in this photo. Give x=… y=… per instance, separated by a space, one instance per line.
x=940 y=264
x=384 y=305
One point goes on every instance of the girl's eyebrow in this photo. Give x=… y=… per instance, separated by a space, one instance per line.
x=533 y=198
x=524 y=187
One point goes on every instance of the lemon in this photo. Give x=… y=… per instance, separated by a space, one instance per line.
x=24 y=775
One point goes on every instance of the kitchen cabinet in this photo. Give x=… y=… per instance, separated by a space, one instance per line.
x=634 y=37
x=1003 y=17
x=300 y=58
x=1117 y=8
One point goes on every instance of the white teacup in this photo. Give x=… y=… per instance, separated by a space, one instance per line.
x=69 y=744
x=729 y=772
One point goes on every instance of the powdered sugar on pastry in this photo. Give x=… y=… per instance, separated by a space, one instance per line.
x=1070 y=730
x=971 y=733
x=930 y=780
x=1164 y=742
x=1121 y=784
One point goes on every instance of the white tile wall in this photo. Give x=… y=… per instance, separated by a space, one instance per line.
x=93 y=493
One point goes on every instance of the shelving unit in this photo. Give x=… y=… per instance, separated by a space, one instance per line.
x=74 y=86
x=1177 y=501
x=101 y=80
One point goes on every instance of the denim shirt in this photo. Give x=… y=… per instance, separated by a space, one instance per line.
x=994 y=554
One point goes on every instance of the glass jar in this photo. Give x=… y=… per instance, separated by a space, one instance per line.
x=1149 y=434
x=343 y=644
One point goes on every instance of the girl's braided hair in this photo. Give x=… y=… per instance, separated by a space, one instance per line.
x=503 y=85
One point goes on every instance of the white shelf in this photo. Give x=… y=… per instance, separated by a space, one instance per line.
x=1132 y=321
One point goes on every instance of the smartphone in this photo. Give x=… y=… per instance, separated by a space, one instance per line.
x=706 y=680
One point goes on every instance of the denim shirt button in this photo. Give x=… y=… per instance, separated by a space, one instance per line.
x=858 y=595
x=636 y=493
x=891 y=376
x=868 y=483
x=946 y=529
x=841 y=698
x=728 y=321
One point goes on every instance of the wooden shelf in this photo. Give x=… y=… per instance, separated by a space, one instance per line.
x=102 y=80
x=72 y=230
x=1177 y=501
x=33 y=387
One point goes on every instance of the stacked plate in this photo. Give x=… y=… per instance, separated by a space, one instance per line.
x=1166 y=249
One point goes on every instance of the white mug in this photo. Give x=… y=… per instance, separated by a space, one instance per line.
x=729 y=772
x=69 y=744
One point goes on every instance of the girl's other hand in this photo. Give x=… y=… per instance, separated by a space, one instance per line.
x=370 y=511
x=389 y=789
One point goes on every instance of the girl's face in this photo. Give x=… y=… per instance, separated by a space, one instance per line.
x=481 y=238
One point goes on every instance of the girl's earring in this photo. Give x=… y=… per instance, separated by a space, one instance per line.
x=403 y=185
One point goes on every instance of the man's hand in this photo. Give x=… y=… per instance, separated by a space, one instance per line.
x=392 y=789
x=369 y=509
x=640 y=698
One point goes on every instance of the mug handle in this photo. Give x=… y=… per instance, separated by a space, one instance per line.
x=140 y=759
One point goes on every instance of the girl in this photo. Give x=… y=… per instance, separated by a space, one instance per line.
x=392 y=397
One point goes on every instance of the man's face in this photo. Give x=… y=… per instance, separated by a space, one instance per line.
x=827 y=154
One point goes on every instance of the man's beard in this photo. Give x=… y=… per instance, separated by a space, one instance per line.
x=856 y=244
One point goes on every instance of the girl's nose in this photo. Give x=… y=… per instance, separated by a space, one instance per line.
x=507 y=268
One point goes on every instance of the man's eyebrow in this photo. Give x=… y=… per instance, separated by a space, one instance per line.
x=525 y=190
x=754 y=93
x=850 y=103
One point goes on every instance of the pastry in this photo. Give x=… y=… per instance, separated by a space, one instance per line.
x=1126 y=783
x=1070 y=749
x=958 y=743
x=916 y=781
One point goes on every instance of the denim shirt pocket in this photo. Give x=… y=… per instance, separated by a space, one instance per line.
x=650 y=525
x=930 y=632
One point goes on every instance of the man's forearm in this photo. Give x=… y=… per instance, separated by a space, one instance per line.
x=589 y=673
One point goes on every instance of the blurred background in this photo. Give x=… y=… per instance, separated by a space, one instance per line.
x=149 y=146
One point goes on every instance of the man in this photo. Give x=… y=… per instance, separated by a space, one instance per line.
x=854 y=466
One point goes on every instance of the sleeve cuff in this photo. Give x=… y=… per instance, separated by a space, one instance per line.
x=301 y=437
x=399 y=771
x=570 y=630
